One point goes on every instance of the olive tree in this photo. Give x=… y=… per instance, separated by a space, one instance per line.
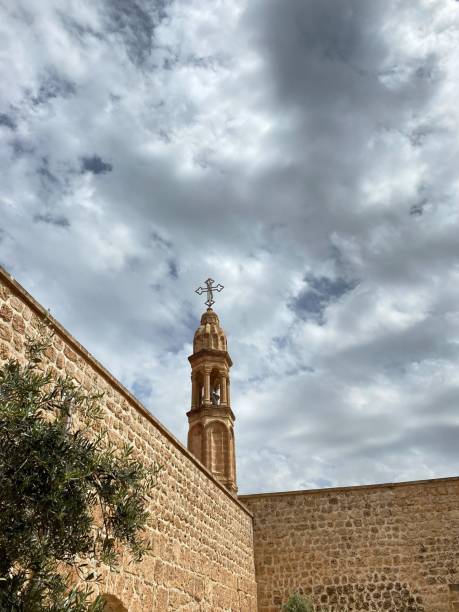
x=69 y=497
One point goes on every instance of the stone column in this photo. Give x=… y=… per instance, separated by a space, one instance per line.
x=205 y=447
x=233 y=460
x=228 y=400
x=229 y=458
x=223 y=399
x=207 y=372
x=194 y=392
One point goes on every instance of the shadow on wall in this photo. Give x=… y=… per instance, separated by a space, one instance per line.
x=454 y=597
x=113 y=604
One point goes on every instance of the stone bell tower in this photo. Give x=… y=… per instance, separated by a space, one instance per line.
x=211 y=420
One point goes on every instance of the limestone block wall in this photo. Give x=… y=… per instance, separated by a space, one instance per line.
x=380 y=547
x=202 y=556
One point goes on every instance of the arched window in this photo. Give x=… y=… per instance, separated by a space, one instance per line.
x=113 y=604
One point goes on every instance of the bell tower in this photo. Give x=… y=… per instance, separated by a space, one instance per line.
x=211 y=420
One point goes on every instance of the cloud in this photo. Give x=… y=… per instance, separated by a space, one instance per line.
x=95 y=165
x=52 y=86
x=319 y=292
x=305 y=156
x=7 y=121
x=53 y=220
x=135 y=23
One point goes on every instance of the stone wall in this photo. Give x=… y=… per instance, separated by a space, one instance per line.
x=202 y=556
x=380 y=547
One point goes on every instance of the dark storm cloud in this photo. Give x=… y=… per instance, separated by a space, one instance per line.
x=52 y=86
x=21 y=147
x=135 y=22
x=77 y=29
x=7 y=121
x=173 y=269
x=157 y=239
x=328 y=62
x=418 y=208
x=45 y=173
x=319 y=292
x=95 y=165
x=58 y=221
x=331 y=70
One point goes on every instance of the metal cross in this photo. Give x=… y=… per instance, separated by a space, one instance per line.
x=210 y=289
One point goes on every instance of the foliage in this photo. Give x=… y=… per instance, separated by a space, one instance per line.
x=297 y=603
x=68 y=497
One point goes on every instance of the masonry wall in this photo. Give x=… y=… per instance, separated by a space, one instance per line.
x=202 y=556
x=381 y=547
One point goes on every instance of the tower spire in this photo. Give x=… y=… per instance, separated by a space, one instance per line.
x=211 y=419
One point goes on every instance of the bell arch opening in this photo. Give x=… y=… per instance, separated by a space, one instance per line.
x=198 y=389
x=215 y=390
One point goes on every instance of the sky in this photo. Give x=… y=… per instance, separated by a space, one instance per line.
x=305 y=155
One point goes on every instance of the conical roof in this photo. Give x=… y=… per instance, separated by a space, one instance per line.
x=209 y=334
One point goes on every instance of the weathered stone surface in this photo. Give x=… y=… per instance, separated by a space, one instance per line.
x=381 y=547
x=202 y=547
x=6 y=312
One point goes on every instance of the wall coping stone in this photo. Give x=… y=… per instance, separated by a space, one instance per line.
x=351 y=488
x=102 y=371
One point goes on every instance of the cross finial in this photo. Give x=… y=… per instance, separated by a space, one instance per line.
x=209 y=288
